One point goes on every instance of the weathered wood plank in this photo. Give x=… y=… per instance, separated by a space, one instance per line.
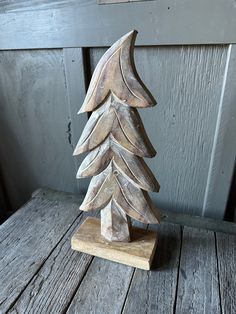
x=84 y=23
x=75 y=78
x=154 y=291
x=222 y=163
x=198 y=222
x=103 y=289
x=226 y=253
x=27 y=238
x=187 y=83
x=198 y=287
x=34 y=124
x=52 y=288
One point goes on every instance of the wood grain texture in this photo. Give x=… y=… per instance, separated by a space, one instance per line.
x=222 y=164
x=35 y=148
x=114 y=127
x=52 y=288
x=131 y=166
x=84 y=23
x=154 y=291
x=27 y=238
x=187 y=83
x=103 y=290
x=138 y=252
x=198 y=286
x=75 y=79
x=116 y=73
x=117 y=121
x=226 y=253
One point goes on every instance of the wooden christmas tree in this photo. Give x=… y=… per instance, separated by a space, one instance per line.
x=116 y=142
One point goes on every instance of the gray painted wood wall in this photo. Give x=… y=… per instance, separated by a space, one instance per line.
x=192 y=127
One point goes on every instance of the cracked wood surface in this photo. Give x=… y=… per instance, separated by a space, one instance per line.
x=193 y=270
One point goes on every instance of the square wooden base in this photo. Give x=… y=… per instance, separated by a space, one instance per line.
x=137 y=253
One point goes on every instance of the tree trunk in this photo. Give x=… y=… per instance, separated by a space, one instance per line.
x=115 y=224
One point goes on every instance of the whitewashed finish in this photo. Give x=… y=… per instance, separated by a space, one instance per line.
x=114 y=93
x=187 y=83
x=34 y=123
x=198 y=286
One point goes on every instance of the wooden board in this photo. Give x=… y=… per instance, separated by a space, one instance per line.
x=137 y=253
x=57 y=279
x=226 y=254
x=40 y=273
x=155 y=291
x=26 y=240
x=35 y=124
x=103 y=289
x=198 y=288
x=60 y=23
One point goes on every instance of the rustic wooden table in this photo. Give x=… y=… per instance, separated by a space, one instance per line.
x=193 y=272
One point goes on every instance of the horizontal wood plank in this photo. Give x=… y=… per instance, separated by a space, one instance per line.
x=154 y=291
x=27 y=239
x=53 y=24
x=167 y=216
x=198 y=286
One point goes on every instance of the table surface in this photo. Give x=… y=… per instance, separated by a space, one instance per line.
x=193 y=269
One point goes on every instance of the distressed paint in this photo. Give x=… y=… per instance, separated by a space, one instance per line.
x=34 y=123
x=186 y=82
x=83 y=23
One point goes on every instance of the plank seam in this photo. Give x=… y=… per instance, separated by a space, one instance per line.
x=76 y=289
x=127 y=292
x=178 y=272
x=218 y=272
x=43 y=263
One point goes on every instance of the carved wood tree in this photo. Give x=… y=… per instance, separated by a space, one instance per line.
x=116 y=141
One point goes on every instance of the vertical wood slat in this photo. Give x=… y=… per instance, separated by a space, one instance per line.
x=75 y=67
x=34 y=123
x=224 y=148
x=198 y=286
x=186 y=82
